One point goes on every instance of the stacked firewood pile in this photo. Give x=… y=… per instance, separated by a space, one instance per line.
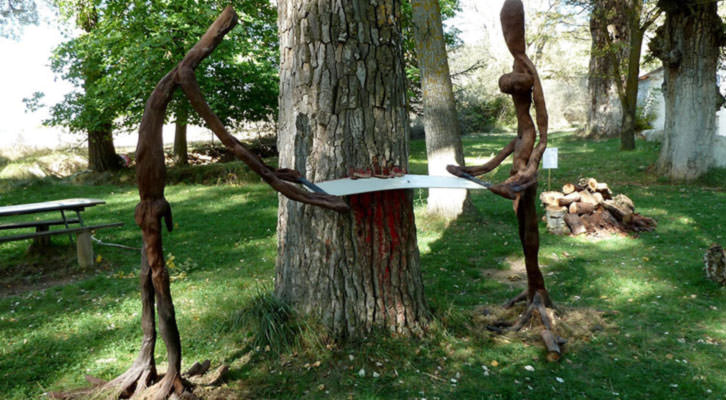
x=590 y=207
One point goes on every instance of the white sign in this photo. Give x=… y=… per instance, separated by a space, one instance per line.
x=549 y=158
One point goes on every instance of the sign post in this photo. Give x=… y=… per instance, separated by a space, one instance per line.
x=549 y=162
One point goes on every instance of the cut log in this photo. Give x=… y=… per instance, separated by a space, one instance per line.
x=623 y=202
x=624 y=215
x=552 y=344
x=715 y=261
x=640 y=223
x=603 y=189
x=569 y=199
x=587 y=197
x=575 y=224
x=592 y=184
x=581 y=208
x=550 y=199
x=598 y=197
x=568 y=188
x=555 y=220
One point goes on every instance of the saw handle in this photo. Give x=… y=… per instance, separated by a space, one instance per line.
x=475 y=180
x=313 y=187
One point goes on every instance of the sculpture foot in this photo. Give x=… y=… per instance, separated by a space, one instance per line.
x=537 y=307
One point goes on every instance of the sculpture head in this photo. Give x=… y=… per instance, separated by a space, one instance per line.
x=512 y=17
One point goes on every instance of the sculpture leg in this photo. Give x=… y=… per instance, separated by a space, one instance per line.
x=142 y=372
x=529 y=236
x=169 y=332
x=165 y=308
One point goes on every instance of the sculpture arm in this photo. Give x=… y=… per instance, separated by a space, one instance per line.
x=483 y=169
x=278 y=179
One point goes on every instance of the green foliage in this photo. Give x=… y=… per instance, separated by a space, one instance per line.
x=272 y=322
x=485 y=115
x=128 y=46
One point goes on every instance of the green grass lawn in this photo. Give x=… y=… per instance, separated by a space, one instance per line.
x=663 y=325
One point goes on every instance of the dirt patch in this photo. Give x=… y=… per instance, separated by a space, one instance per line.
x=41 y=269
x=578 y=325
x=515 y=275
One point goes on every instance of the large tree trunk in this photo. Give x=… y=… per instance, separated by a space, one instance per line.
x=181 y=154
x=101 y=152
x=342 y=107
x=605 y=114
x=443 y=133
x=688 y=44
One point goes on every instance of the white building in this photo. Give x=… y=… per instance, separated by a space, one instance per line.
x=650 y=96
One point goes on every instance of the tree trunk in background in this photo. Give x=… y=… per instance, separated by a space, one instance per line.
x=630 y=101
x=343 y=106
x=688 y=44
x=181 y=154
x=443 y=133
x=605 y=114
x=101 y=152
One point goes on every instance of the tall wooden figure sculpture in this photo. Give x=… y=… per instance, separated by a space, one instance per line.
x=141 y=379
x=524 y=86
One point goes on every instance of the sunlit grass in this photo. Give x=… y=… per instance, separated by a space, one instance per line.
x=667 y=341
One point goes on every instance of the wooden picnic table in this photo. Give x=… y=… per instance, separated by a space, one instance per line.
x=71 y=224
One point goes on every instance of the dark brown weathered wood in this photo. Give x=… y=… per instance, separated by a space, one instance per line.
x=153 y=207
x=524 y=85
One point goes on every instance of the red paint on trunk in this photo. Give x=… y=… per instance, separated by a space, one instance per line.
x=379 y=218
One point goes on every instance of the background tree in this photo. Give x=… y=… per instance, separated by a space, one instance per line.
x=618 y=28
x=447 y=10
x=441 y=124
x=689 y=45
x=132 y=46
x=14 y=14
x=81 y=62
x=342 y=107
x=608 y=24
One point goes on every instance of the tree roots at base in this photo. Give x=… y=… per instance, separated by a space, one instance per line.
x=537 y=307
x=141 y=382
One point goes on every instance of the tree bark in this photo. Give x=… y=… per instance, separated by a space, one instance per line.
x=605 y=113
x=688 y=44
x=342 y=107
x=629 y=96
x=443 y=133
x=101 y=152
x=181 y=153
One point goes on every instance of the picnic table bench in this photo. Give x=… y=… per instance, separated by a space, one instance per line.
x=71 y=224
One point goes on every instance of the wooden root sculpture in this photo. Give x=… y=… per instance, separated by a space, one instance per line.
x=524 y=86
x=141 y=380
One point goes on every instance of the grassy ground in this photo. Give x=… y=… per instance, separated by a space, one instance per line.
x=655 y=325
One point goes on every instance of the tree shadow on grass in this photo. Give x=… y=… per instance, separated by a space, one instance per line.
x=664 y=334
